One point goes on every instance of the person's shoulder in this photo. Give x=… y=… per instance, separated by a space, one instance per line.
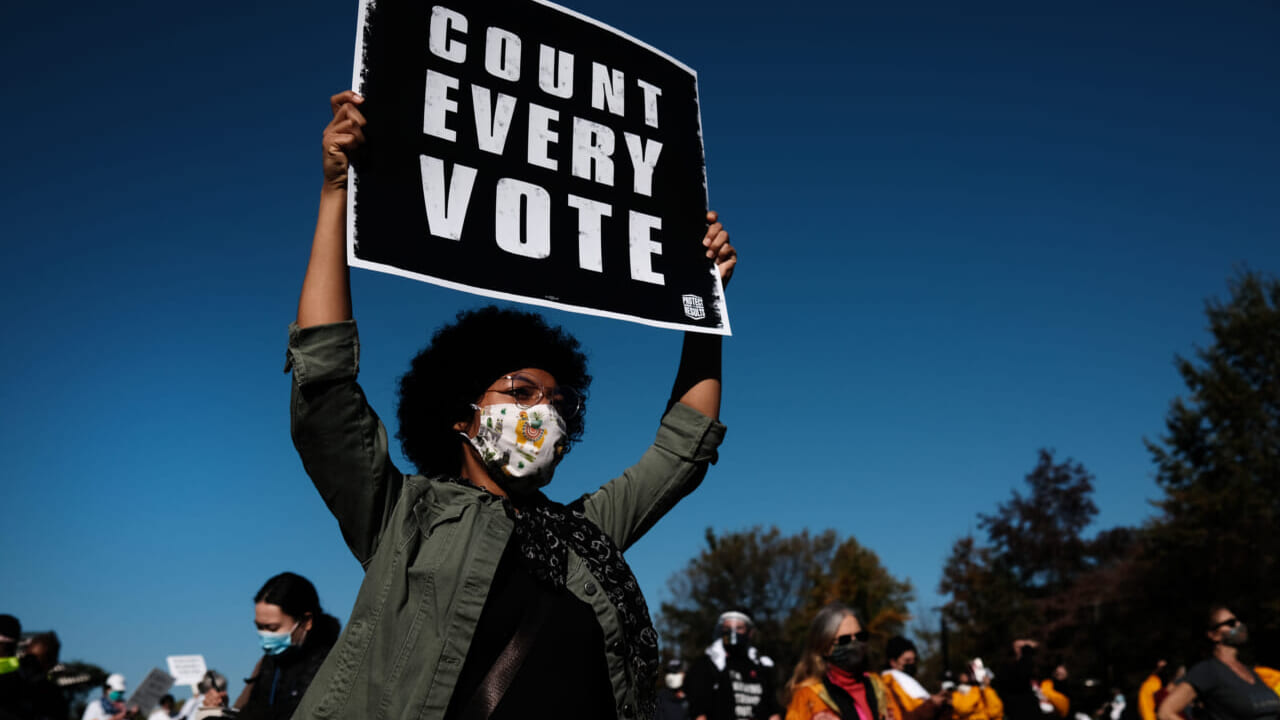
x=807 y=690
x=1205 y=674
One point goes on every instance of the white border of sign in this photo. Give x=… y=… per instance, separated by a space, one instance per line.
x=353 y=261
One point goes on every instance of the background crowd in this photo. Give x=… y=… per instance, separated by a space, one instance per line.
x=841 y=674
x=293 y=630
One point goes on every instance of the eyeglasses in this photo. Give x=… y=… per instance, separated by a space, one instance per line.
x=1228 y=623
x=860 y=636
x=527 y=392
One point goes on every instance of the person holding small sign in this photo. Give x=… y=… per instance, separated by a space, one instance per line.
x=481 y=595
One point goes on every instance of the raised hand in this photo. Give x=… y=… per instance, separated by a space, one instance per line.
x=718 y=247
x=342 y=136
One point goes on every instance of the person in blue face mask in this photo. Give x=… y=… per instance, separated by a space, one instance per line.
x=295 y=635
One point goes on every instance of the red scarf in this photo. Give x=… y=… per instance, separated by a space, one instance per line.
x=850 y=683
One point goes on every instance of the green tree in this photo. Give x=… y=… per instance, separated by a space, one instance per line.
x=1036 y=537
x=1218 y=463
x=1024 y=581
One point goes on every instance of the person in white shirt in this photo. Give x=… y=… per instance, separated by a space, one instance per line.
x=111 y=705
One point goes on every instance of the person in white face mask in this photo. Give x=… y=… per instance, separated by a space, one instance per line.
x=481 y=593
x=673 y=703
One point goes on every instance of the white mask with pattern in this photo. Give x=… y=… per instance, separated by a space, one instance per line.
x=520 y=447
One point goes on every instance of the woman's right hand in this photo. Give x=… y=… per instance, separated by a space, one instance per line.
x=343 y=135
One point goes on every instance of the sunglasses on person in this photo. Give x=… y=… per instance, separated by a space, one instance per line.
x=1228 y=623
x=860 y=636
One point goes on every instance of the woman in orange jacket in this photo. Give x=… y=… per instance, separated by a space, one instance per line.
x=831 y=681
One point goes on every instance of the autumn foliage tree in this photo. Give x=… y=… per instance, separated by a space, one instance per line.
x=781 y=581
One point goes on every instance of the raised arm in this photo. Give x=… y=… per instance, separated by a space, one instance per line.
x=687 y=439
x=697 y=381
x=326 y=290
x=341 y=441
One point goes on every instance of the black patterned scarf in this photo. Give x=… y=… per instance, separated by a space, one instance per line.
x=546 y=531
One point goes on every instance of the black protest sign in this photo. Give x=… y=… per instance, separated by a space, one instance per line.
x=518 y=150
x=153 y=687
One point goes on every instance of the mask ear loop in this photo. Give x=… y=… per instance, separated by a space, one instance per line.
x=463 y=433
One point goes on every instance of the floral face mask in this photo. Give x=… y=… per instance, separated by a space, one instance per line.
x=520 y=447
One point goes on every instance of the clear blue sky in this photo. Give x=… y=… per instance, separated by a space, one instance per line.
x=968 y=230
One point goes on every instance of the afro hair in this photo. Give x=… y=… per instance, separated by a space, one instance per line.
x=461 y=361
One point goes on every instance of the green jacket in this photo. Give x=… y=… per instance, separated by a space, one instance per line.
x=429 y=549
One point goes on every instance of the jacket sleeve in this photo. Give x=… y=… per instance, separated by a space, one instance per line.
x=342 y=443
x=671 y=468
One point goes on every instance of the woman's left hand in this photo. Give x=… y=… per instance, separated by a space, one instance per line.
x=718 y=248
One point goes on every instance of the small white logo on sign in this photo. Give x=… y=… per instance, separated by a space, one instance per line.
x=693 y=308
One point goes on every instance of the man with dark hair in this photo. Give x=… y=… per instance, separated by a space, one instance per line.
x=732 y=680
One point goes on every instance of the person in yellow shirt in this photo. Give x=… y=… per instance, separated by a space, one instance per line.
x=1055 y=691
x=972 y=699
x=1147 y=693
x=983 y=675
x=908 y=697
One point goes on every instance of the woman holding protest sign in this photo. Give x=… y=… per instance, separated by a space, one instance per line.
x=480 y=594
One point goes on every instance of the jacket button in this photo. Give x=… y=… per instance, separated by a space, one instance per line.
x=615 y=646
x=627 y=710
x=589 y=588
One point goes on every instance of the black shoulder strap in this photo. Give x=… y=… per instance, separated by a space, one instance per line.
x=498 y=679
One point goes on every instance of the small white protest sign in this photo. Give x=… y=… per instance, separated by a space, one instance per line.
x=186 y=669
